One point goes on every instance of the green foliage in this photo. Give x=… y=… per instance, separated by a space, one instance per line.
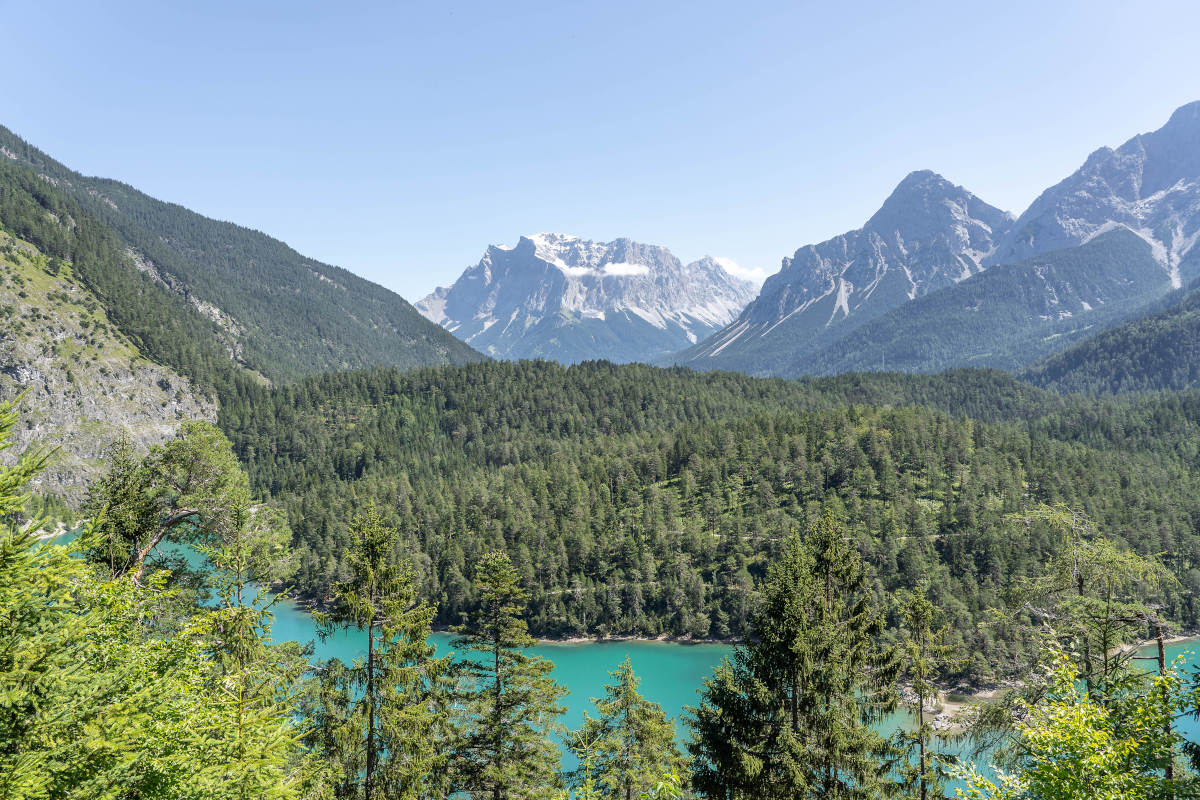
x=1091 y=595
x=381 y=724
x=163 y=325
x=1158 y=352
x=191 y=489
x=634 y=500
x=790 y=716
x=97 y=702
x=924 y=659
x=509 y=701
x=628 y=745
x=1078 y=747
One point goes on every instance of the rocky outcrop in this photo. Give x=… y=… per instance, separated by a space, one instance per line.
x=1149 y=185
x=84 y=385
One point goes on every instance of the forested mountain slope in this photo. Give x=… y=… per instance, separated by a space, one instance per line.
x=1006 y=317
x=1158 y=352
x=284 y=315
x=637 y=500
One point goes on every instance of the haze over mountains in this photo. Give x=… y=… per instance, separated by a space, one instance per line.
x=569 y=299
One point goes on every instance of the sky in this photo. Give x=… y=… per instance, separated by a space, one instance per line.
x=398 y=140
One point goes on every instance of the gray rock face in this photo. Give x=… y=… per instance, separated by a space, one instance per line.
x=85 y=385
x=928 y=234
x=569 y=299
x=1150 y=185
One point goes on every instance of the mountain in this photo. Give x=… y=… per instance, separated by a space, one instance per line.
x=1157 y=352
x=82 y=379
x=928 y=234
x=1150 y=185
x=1005 y=317
x=568 y=299
x=280 y=314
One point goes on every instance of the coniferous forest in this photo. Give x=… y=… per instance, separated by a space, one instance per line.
x=647 y=502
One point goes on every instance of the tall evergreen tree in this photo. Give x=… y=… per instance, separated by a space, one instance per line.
x=631 y=742
x=925 y=656
x=189 y=490
x=790 y=716
x=381 y=723
x=510 y=702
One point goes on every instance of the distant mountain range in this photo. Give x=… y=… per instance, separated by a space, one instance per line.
x=569 y=299
x=937 y=278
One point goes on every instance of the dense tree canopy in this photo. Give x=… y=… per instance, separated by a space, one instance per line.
x=645 y=501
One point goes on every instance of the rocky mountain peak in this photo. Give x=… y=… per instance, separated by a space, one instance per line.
x=559 y=296
x=1149 y=185
x=929 y=233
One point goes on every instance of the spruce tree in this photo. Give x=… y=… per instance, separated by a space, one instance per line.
x=510 y=703
x=790 y=716
x=381 y=723
x=631 y=743
x=98 y=704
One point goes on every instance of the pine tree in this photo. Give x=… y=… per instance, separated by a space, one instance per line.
x=381 y=723
x=256 y=680
x=510 y=701
x=631 y=743
x=187 y=490
x=790 y=716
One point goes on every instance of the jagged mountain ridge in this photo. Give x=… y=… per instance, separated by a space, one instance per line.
x=1150 y=185
x=1006 y=316
x=570 y=299
x=927 y=235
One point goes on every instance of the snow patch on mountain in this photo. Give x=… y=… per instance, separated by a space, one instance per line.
x=571 y=299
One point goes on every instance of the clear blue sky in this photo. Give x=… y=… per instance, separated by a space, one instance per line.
x=398 y=140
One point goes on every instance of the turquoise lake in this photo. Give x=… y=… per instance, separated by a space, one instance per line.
x=671 y=672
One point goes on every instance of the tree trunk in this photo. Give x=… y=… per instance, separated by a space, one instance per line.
x=921 y=741
x=1162 y=670
x=370 y=710
x=137 y=561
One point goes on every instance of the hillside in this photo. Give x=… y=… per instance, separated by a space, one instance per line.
x=285 y=315
x=1157 y=352
x=1006 y=317
x=82 y=379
